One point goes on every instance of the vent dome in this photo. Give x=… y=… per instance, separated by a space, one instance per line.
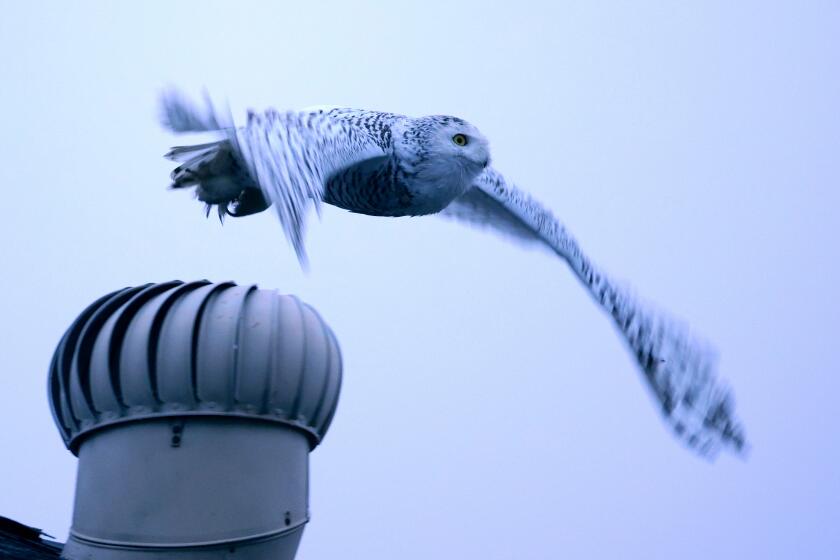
x=195 y=348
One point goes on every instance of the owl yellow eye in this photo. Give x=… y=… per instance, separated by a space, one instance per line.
x=460 y=140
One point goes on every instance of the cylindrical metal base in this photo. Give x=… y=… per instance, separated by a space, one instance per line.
x=190 y=487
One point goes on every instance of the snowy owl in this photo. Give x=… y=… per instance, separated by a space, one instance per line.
x=385 y=164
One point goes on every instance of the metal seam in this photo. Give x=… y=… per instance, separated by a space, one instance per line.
x=196 y=334
x=295 y=410
x=325 y=425
x=159 y=318
x=268 y=535
x=271 y=355
x=325 y=379
x=83 y=352
x=237 y=341
x=310 y=432
x=120 y=330
x=64 y=358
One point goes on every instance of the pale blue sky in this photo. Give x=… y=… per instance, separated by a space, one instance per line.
x=489 y=410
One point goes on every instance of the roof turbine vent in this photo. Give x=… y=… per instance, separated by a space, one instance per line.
x=192 y=408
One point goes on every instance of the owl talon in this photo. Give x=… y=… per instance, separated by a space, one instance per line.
x=249 y=201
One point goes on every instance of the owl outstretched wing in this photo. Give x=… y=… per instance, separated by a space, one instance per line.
x=678 y=367
x=286 y=156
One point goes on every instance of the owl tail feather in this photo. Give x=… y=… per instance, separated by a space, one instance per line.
x=215 y=169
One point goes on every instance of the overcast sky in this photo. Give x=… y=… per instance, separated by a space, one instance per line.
x=489 y=410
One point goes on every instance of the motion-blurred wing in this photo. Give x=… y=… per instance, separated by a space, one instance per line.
x=288 y=155
x=679 y=369
x=481 y=210
x=291 y=156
